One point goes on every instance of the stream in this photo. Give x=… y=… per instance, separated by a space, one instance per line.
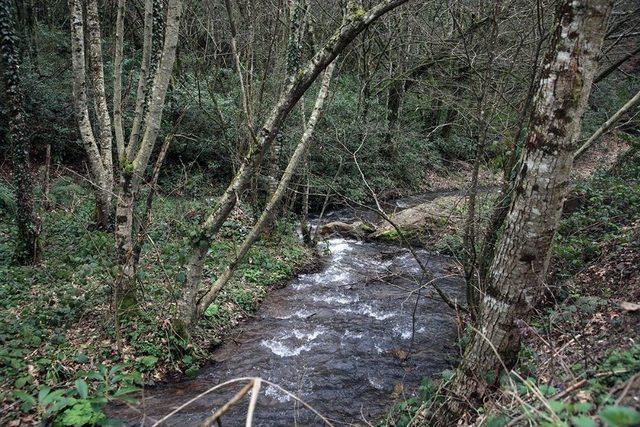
x=351 y=339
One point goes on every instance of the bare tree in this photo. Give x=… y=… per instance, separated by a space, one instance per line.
x=160 y=38
x=98 y=150
x=187 y=311
x=137 y=154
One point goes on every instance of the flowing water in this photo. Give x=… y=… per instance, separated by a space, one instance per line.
x=350 y=339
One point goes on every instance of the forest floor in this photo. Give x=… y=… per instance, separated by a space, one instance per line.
x=61 y=354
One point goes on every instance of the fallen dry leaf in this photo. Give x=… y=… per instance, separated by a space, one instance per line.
x=630 y=306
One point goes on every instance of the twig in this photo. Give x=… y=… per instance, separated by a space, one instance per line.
x=235 y=399
x=254 y=400
x=242 y=379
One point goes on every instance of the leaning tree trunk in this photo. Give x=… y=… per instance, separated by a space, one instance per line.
x=517 y=274
x=190 y=309
x=356 y=22
x=27 y=245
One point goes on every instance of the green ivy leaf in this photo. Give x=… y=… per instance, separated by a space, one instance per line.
x=149 y=361
x=557 y=406
x=582 y=407
x=582 y=421
x=212 y=310
x=27 y=400
x=620 y=416
x=82 y=387
x=44 y=391
x=81 y=414
x=181 y=278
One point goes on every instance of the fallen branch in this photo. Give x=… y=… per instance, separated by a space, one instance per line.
x=220 y=412
x=607 y=125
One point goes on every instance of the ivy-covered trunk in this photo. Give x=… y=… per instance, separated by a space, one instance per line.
x=517 y=275
x=27 y=244
x=137 y=154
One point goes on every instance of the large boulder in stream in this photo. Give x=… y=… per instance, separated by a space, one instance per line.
x=438 y=217
x=356 y=229
x=436 y=224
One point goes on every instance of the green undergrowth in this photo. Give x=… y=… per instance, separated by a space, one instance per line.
x=608 y=203
x=581 y=337
x=62 y=357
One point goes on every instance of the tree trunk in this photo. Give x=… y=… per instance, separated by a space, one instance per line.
x=27 y=244
x=117 y=82
x=394 y=101
x=294 y=57
x=517 y=274
x=635 y=100
x=134 y=166
x=141 y=94
x=99 y=177
x=190 y=309
x=304 y=210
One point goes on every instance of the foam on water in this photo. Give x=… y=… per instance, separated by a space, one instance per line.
x=276 y=394
x=309 y=336
x=402 y=332
x=376 y=383
x=367 y=310
x=279 y=349
x=352 y=335
x=333 y=274
x=335 y=299
x=300 y=314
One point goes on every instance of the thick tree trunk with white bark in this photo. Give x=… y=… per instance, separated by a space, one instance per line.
x=101 y=177
x=517 y=274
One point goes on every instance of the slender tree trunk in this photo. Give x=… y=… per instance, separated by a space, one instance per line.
x=304 y=210
x=135 y=164
x=96 y=71
x=294 y=57
x=517 y=274
x=613 y=67
x=608 y=124
x=141 y=93
x=27 y=244
x=354 y=25
x=394 y=101
x=501 y=208
x=117 y=82
x=99 y=177
x=485 y=112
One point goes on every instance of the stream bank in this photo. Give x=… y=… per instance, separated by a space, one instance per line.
x=350 y=339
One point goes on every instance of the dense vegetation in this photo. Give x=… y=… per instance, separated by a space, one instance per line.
x=425 y=96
